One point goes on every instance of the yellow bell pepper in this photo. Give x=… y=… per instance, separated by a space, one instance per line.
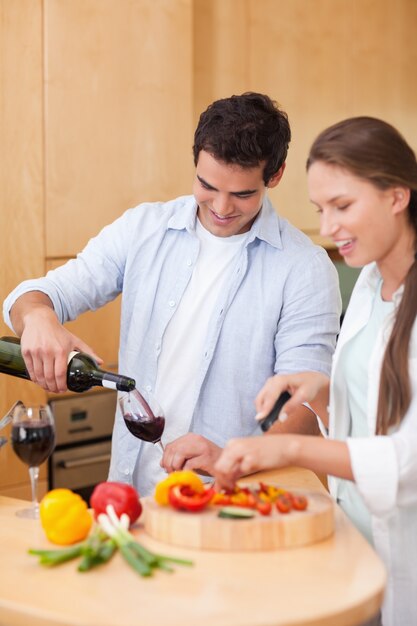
x=65 y=517
x=181 y=477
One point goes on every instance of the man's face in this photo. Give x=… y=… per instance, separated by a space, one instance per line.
x=229 y=197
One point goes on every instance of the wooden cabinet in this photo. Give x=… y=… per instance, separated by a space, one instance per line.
x=322 y=61
x=21 y=191
x=118 y=112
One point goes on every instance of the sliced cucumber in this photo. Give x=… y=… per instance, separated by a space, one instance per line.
x=236 y=512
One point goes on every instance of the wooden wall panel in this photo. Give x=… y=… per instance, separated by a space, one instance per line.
x=21 y=184
x=221 y=50
x=322 y=61
x=118 y=111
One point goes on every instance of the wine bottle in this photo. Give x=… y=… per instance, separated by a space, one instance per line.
x=272 y=416
x=82 y=372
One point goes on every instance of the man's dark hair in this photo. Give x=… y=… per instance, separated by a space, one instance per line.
x=244 y=130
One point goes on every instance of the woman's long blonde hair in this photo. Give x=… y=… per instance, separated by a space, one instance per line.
x=375 y=151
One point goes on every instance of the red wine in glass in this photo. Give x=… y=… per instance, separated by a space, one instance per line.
x=33 y=440
x=147 y=431
x=143 y=416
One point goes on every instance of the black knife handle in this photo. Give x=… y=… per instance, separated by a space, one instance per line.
x=272 y=416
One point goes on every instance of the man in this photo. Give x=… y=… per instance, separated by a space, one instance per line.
x=219 y=293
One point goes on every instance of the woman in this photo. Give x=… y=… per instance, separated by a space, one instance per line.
x=362 y=176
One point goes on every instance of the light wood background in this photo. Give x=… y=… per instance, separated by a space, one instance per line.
x=99 y=100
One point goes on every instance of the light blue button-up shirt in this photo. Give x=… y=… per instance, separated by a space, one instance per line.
x=279 y=312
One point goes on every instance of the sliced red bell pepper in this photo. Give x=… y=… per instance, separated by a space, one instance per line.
x=184 y=498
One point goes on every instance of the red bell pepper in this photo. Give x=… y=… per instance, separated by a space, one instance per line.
x=124 y=498
x=185 y=498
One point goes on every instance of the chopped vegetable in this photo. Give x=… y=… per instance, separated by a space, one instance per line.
x=236 y=512
x=185 y=498
x=124 y=498
x=264 y=508
x=284 y=503
x=299 y=503
x=65 y=517
x=137 y=556
x=182 y=477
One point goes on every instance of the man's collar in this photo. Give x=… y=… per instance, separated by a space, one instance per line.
x=265 y=227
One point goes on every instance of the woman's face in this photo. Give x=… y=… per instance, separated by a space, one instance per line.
x=365 y=223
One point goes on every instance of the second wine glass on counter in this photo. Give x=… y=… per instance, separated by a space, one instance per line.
x=143 y=416
x=33 y=440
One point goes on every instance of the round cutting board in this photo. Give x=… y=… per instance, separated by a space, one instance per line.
x=205 y=530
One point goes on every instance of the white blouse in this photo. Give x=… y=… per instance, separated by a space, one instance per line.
x=384 y=467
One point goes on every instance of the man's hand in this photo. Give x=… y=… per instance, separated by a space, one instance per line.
x=45 y=343
x=191 y=452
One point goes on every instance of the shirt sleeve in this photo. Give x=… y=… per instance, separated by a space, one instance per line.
x=310 y=316
x=385 y=467
x=88 y=282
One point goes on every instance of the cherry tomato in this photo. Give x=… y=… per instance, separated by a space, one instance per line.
x=299 y=503
x=283 y=503
x=264 y=508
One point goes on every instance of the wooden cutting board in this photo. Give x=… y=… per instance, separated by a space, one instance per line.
x=207 y=531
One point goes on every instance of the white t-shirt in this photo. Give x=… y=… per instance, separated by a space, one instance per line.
x=355 y=361
x=183 y=344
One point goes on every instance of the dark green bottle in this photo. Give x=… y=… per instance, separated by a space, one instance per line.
x=82 y=373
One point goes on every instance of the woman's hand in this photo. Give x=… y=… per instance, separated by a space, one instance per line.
x=311 y=387
x=252 y=454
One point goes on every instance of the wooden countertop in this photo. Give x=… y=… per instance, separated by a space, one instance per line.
x=337 y=582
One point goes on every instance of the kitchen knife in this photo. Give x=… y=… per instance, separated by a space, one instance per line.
x=272 y=416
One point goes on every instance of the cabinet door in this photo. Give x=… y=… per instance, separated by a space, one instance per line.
x=21 y=192
x=118 y=112
x=322 y=61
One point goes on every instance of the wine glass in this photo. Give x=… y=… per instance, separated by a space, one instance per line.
x=143 y=416
x=33 y=440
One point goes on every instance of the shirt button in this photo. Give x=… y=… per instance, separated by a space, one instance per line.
x=171 y=303
x=126 y=472
x=158 y=347
x=189 y=262
x=148 y=388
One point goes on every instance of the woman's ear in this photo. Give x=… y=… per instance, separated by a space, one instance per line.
x=401 y=199
x=274 y=180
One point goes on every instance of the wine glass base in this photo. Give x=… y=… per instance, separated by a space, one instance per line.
x=30 y=513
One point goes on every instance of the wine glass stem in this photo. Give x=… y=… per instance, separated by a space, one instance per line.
x=161 y=445
x=34 y=475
